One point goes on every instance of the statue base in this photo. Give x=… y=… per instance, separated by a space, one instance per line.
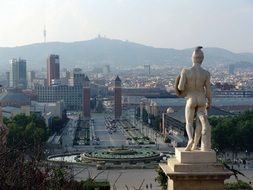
x=195 y=170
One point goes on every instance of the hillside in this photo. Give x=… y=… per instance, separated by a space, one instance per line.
x=101 y=51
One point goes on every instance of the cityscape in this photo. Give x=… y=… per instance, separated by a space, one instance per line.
x=107 y=113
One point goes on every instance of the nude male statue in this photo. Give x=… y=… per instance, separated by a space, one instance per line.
x=194 y=84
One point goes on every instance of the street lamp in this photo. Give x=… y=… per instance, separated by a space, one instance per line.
x=156 y=140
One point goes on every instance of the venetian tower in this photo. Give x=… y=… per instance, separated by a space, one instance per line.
x=117 y=98
x=86 y=98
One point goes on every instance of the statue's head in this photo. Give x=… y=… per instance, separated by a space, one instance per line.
x=198 y=55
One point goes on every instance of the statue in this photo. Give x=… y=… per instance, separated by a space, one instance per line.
x=194 y=84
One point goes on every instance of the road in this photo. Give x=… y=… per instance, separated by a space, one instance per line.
x=106 y=137
x=68 y=135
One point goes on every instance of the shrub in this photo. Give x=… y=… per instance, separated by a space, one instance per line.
x=237 y=185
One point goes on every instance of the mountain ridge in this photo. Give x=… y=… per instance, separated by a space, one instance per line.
x=117 y=53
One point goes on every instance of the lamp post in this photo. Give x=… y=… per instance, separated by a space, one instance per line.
x=157 y=145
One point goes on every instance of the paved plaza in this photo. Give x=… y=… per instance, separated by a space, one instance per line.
x=134 y=177
x=130 y=177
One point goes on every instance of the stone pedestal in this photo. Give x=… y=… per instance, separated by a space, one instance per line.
x=195 y=170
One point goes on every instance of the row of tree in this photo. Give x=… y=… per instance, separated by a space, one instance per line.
x=29 y=131
x=153 y=121
x=233 y=133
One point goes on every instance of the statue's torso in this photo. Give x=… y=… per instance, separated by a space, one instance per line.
x=195 y=84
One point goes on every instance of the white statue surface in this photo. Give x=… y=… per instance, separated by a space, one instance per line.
x=194 y=84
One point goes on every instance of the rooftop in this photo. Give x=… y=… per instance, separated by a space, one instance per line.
x=179 y=113
x=215 y=102
x=14 y=97
x=117 y=78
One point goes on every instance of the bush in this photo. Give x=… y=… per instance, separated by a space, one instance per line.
x=237 y=185
x=92 y=185
x=161 y=178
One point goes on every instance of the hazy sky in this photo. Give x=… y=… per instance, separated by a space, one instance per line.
x=161 y=23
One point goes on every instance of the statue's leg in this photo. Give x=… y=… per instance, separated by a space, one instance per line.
x=197 y=134
x=189 y=117
x=206 y=131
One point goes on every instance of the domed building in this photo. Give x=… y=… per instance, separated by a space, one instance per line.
x=170 y=110
x=14 y=98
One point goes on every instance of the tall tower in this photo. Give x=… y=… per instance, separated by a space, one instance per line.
x=117 y=98
x=18 y=73
x=86 y=98
x=30 y=78
x=45 y=34
x=53 y=68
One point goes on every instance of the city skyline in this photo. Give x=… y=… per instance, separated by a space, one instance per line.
x=166 y=24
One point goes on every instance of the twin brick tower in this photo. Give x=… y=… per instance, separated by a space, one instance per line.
x=117 y=98
x=86 y=98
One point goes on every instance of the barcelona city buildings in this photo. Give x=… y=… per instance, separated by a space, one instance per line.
x=53 y=69
x=17 y=74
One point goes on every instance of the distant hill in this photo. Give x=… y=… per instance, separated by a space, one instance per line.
x=242 y=64
x=101 y=51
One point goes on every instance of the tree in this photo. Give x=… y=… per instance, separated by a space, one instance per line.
x=21 y=169
x=57 y=124
x=144 y=115
x=157 y=122
x=93 y=103
x=151 y=120
x=26 y=132
x=161 y=178
x=19 y=173
x=100 y=107
x=138 y=112
x=233 y=133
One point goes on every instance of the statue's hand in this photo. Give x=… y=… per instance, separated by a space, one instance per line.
x=208 y=106
x=179 y=92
